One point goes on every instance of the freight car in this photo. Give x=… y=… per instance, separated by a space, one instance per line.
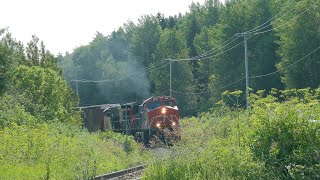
x=156 y=117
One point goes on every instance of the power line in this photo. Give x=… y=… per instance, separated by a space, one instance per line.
x=254 y=77
x=206 y=92
x=264 y=75
x=151 y=69
x=158 y=63
x=226 y=43
x=218 y=48
x=284 y=24
x=197 y=58
x=245 y=33
x=252 y=30
x=258 y=28
x=208 y=56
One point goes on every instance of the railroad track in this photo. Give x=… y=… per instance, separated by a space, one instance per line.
x=131 y=173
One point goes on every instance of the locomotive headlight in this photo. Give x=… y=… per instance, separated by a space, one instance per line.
x=158 y=125
x=173 y=123
x=163 y=110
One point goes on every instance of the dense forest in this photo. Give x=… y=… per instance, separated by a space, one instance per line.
x=132 y=62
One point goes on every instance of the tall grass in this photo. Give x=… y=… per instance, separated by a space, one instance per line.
x=59 y=151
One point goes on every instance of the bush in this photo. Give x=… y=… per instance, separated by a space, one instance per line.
x=47 y=96
x=286 y=135
x=13 y=112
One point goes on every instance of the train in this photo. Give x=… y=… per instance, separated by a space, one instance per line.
x=155 y=118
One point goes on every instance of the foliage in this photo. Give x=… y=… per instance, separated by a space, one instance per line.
x=286 y=135
x=59 y=151
x=11 y=54
x=280 y=140
x=12 y=112
x=297 y=40
x=37 y=55
x=49 y=95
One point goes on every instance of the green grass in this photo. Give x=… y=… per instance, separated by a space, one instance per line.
x=58 y=151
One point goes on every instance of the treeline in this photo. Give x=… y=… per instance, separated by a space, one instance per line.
x=32 y=85
x=131 y=59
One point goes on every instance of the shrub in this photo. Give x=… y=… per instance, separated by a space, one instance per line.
x=286 y=135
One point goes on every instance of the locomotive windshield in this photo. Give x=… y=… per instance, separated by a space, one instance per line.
x=153 y=105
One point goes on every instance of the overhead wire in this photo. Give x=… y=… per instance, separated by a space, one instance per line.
x=206 y=92
x=268 y=74
x=256 y=29
x=286 y=23
x=156 y=64
x=263 y=25
x=249 y=38
x=253 y=77
x=214 y=49
x=226 y=43
x=208 y=56
x=143 y=70
x=151 y=69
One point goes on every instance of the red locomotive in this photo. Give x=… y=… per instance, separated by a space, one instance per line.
x=156 y=117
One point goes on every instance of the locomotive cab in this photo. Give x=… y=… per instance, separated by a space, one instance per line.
x=162 y=112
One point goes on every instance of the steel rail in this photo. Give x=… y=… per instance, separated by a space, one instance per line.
x=120 y=173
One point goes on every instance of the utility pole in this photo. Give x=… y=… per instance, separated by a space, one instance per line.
x=245 y=37
x=127 y=132
x=170 y=78
x=246 y=67
x=77 y=89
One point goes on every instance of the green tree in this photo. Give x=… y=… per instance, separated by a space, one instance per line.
x=213 y=12
x=145 y=39
x=11 y=55
x=37 y=55
x=297 y=39
x=49 y=95
x=118 y=45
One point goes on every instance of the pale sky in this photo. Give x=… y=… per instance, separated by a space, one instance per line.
x=66 y=24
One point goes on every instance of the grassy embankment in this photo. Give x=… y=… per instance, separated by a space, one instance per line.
x=33 y=149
